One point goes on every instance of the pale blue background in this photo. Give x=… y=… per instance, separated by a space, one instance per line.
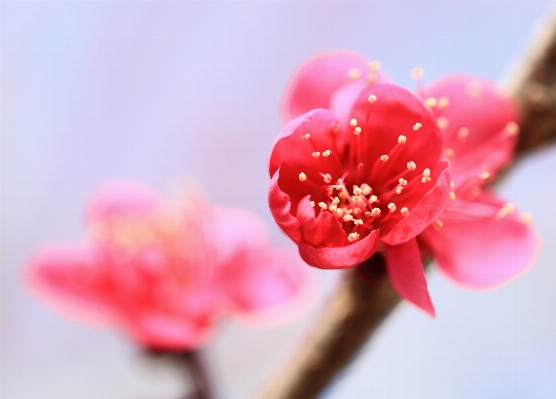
x=154 y=91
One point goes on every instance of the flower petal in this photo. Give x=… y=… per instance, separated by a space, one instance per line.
x=323 y=230
x=405 y=269
x=123 y=197
x=426 y=211
x=69 y=278
x=340 y=257
x=481 y=252
x=476 y=112
x=314 y=82
x=280 y=205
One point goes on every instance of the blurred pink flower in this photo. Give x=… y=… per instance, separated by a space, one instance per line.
x=479 y=240
x=166 y=271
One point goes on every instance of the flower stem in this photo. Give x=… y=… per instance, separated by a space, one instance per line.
x=198 y=375
x=362 y=301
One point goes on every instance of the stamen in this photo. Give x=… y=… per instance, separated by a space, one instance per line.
x=399 y=189
x=442 y=123
x=373 y=199
x=452 y=184
x=374 y=65
x=526 y=218
x=507 y=209
x=437 y=224
x=463 y=132
x=485 y=175
x=326 y=153
x=449 y=152
x=417 y=73
x=357 y=222
x=352 y=237
x=417 y=126
x=384 y=158
x=327 y=178
x=354 y=73
x=323 y=206
x=452 y=195
x=357 y=131
x=402 y=181
x=347 y=218
x=512 y=128
x=402 y=139
x=339 y=212
x=426 y=175
x=411 y=165
x=315 y=154
x=366 y=189
x=404 y=211
x=357 y=190
x=302 y=176
x=312 y=203
x=392 y=207
x=306 y=136
x=443 y=102
x=353 y=122
x=430 y=102
x=375 y=211
x=372 y=98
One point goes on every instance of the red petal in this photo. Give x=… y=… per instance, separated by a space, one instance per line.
x=314 y=82
x=426 y=211
x=485 y=110
x=68 y=278
x=340 y=257
x=408 y=277
x=280 y=205
x=481 y=252
x=323 y=230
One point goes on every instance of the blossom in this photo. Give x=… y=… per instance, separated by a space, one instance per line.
x=166 y=271
x=345 y=185
x=479 y=241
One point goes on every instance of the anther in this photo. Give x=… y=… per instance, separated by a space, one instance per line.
x=384 y=158
x=357 y=190
x=306 y=136
x=322 y=205
x=485 y=175
x=367 y=214
x=526 y=218
x=327 y=178
x=357 y=131
x=402 y=181
x=452 y=195
x=417 y=73
x=315 y=154
x=372 y=98
x=443 y=102
x=302 y=176
x=402 y=139
x=374 y=65
x=512 y=128
x=399 y=189
x=437 y=224
x=354 y=73
x=375 y=211
x=352 y=237
x=366 y=189
x=357 y=222
x=336 y=201
x=463 y=132
x=339 y=212
x=411 y=165
x=452 y=184
x=392 y=207
x=312 y=203
x=348 y=218
x=404 y=211
x=417 y=126
x=430 y=102
x=449 y=152
x=373 y=199
x=326 y=153
x=507 y=209
x=442 y=123
x=353 y=122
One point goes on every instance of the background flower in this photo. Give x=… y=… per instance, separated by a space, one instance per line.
x=166 y=271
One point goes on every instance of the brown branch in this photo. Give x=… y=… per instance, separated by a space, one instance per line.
x=534 y=88
x=366 y=297
x=362 y=301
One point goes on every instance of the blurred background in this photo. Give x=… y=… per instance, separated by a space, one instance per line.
x=156 y=91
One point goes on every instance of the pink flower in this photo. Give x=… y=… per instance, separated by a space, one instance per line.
x=165 y=271
x=371 y=182
x=479 y=240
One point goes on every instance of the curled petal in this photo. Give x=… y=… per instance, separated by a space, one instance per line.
x=480 y=251
x=474 y=118
x=70 y=279
x=323 y=230
x=405 y=269
x=314 y=82
x=426 y=211
x=280 y=205
x=340 y=257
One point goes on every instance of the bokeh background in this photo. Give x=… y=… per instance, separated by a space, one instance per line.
x=156 y=91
